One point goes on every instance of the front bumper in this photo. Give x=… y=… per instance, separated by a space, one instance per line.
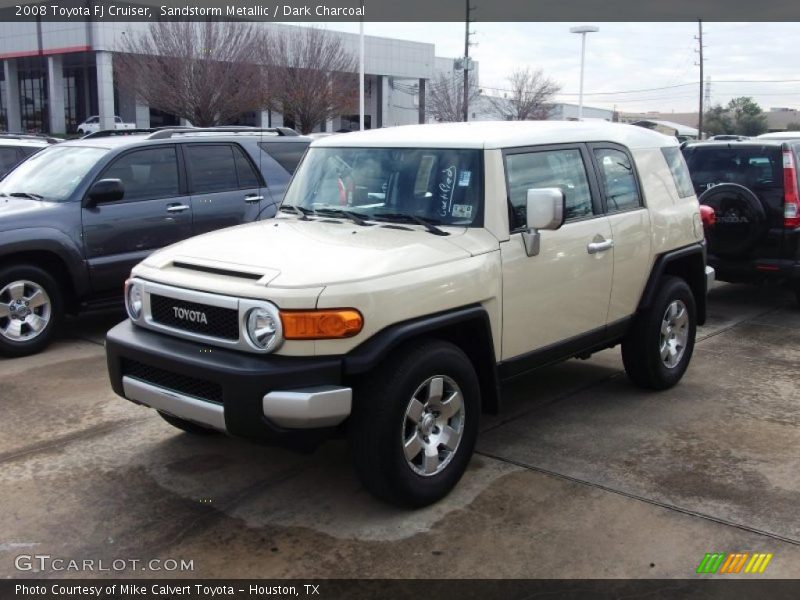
x=267 y=398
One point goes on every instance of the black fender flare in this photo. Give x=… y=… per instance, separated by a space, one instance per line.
x=694 y=255
x=53 y=241
x=451 y=325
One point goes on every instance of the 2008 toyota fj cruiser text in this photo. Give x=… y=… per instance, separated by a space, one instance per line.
x=410 y=272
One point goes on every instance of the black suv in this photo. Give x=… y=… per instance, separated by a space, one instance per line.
x=753 y=188
x=75 y=217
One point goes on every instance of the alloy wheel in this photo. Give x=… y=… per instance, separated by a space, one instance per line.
x=433 y=425
x=25 y=310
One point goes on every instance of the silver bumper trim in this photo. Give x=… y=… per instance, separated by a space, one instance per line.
x=181 y=406
x=711 y=276
x=323 y=406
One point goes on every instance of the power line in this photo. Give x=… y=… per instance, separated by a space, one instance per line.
x=656 y=89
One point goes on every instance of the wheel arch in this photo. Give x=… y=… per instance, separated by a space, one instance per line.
x=688 y=263
x=468 y=328
x=51 y=262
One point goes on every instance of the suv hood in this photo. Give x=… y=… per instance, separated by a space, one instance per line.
x=291 y=253
x=23 y=212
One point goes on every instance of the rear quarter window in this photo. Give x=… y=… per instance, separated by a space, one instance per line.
x=286 y=154
x=679 y=170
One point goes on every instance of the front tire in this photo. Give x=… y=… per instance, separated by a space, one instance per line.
x=657 y=351
x=31 y=309
x=415 y=423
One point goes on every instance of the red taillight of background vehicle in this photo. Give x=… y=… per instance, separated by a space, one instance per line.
x=708 y=216
x=791 y=198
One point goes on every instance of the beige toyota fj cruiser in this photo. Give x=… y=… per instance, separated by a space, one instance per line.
x=410 y=272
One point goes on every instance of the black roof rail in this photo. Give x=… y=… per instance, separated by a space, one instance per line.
x=29 y=136
x=169 y=132
x=113 y=132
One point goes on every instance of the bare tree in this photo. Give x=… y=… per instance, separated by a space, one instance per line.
x=530 y=97
x=208 y=73
x=311 y=76
x=445 y=99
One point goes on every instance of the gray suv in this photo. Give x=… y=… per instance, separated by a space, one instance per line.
x=75 y=217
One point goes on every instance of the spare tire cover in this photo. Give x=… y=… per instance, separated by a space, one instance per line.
x=741 y=220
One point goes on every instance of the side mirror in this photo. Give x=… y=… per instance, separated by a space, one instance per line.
x=546 y=209
x=105 y=190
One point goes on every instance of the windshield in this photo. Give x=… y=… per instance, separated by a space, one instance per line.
x=52 y=174
x=441 y=186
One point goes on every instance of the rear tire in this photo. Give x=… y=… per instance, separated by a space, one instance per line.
x=415 y=423
x=187 y=426
x=657 y=350
x=31 y=310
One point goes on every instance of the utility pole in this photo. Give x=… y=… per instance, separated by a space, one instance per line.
x=466 y=62
x=700 y=113
x=361 y=70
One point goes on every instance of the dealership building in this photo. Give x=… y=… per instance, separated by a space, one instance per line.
x=55 y=75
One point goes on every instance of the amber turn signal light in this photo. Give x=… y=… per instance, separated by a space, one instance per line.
x=321 y=324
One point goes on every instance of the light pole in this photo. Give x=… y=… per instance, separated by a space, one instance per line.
x=583 y=30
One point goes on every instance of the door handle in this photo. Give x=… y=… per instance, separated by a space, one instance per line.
x=602 y=246
x=253 y=198
x=176 y=208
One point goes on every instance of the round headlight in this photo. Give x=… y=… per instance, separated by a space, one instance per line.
x=263 y=328
x=133 y=300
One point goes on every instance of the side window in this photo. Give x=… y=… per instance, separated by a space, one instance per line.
x=618 y=179
x=211 y=168
x=563 y=169
x=248 y=178
x=286 y=154
x=146 y=174
x=8 y=158
x=680 y=172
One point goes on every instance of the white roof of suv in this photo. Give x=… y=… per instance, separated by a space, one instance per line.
x=500 y=134
x=10 y=140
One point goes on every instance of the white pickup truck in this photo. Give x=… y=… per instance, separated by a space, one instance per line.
x=92 y=124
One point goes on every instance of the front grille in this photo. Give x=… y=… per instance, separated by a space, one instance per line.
x=222 y=323
x=182 y=384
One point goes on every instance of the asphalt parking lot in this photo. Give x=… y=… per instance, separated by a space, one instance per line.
x=582 y=475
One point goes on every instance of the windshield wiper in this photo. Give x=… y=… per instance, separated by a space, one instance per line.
x=357 y=218
x=405 y=218
x=26 y=195
x=300 y=212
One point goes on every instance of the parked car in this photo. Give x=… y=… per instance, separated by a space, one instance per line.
x=729 y=137
x=16 y=147
x=77 y=216
x=753 y=188
x=410 y=272
x=92 y=125
x=780 y=135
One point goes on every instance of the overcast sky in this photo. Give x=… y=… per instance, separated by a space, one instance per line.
x=626 y=56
